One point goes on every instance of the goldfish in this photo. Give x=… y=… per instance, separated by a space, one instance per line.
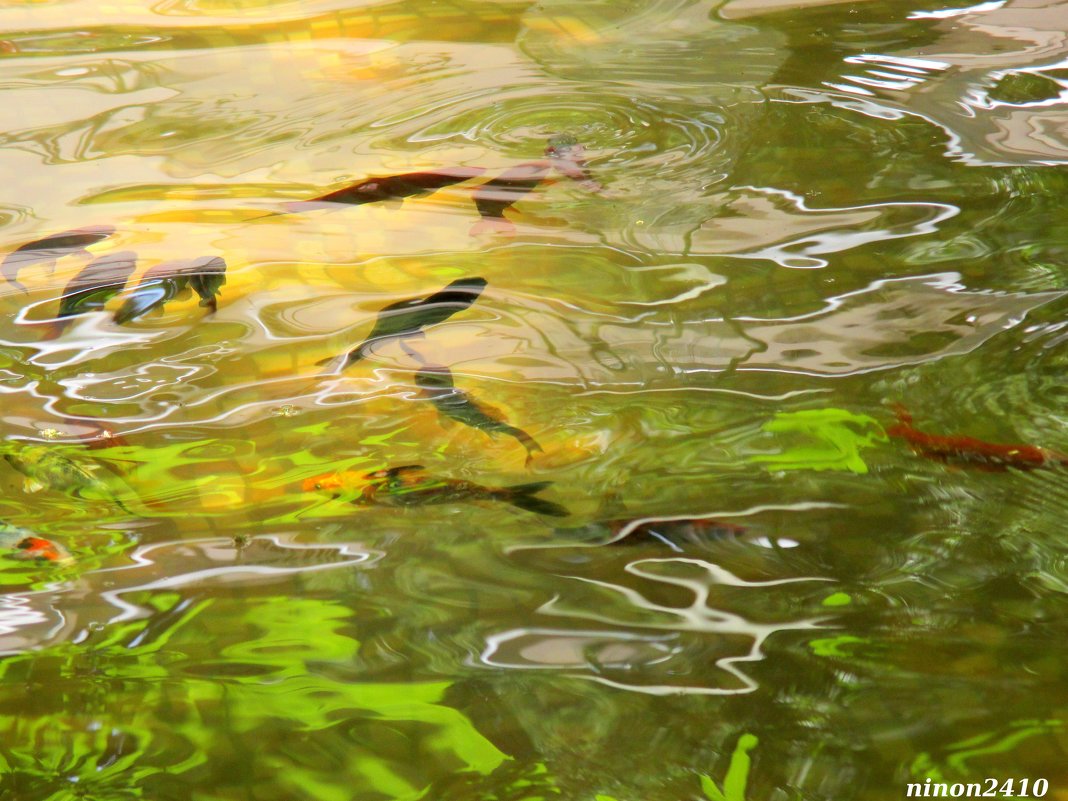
x=436 y=385
x=28 y=546
x=165 y=281
x=971 y=452
x=384 y=189
x=46 y=468
x=49 y=249
x=405 y=319
x=411 y=485
x=101 y=280
x=498 y=195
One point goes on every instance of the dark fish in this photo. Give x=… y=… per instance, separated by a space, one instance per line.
x=568 y=157
x=671 y=532
x=971 y=452
x=23 y=544
x=411 y=485
x=206 y=278
x=496 y=196
x=48 y=250
x=101 y=280
x=165 y=281
x=406 y=318
x=437 y=387
x=45 y=468
x=384 y=189
x=493 y=198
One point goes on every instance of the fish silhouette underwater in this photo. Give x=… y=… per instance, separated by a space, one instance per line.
x=162 y=283
x=385 y=189
x=406 y=319
x=412 y=485
x=496 y=196
x=49 y=249
x=47 y=468
x=101 y=280
x=435 y=383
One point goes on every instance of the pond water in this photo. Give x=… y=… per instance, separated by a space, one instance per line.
x=793 y=224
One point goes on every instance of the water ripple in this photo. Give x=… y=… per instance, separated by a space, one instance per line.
x=641 y=662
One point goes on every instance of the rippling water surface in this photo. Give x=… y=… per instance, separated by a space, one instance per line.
x=806 y=220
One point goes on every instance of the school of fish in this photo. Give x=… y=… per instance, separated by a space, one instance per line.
x=405 y=322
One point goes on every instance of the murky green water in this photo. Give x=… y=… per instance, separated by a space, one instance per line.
x=810 y=212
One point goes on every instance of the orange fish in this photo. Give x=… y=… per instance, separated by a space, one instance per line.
x=411 y=485
x=971 y=452
x=29 y=547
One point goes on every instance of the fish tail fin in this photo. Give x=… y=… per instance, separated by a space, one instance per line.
x=525 y=440
x=522 y=496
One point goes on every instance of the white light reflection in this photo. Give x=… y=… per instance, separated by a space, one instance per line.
x=704 y=281
x=16 y=613
x=162 y=566
x=698 y=617
x=144 y=556
x=630 y=527
x=947 y=13
x=955 y=148
x=83 y=336
x=981 y=99
x=803 y=253
x=841 y=337
x=895 y=73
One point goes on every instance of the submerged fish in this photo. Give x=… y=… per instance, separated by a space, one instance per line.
x=49 y=249
x=28 y=546
x=568 y=157
x=165 y=281
x=496 y=196
x=384 y=189
x=100 y=281
x=971 y=452
x=406 y=318
x=674 y=533
x=411 y=485
x=436 y=385
x=616 y=527
x=46 y=468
